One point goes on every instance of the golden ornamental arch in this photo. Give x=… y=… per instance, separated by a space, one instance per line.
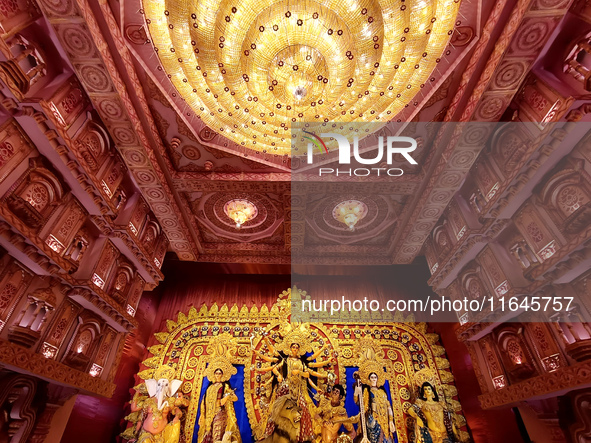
x=406 y=353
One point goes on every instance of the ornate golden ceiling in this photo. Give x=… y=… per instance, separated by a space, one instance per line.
x=250 y=69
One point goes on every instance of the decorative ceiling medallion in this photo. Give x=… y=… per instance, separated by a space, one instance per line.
x=250 y=69
x=349 y=212
x=240 y=211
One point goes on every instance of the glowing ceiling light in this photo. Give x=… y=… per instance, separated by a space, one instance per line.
x=265 y=49
x=350 y=212
x=240 y=211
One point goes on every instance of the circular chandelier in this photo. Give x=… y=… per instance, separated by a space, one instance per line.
x=240 y=211
x=251 y=69
x=349 y=212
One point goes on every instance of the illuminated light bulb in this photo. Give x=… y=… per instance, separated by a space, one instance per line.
x=350 y=212
x=240 y=211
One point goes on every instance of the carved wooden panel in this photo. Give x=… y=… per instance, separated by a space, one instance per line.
x=493 y=363
x=493 y=272
x=486 y=179
x=63 y=321
x=136 y=292
x=108 y=339
x=66 y=226
x=15 y=145
x=104 y=266
x=138 y=217
x=536 y=233
x=13 y=283
x=68 y=103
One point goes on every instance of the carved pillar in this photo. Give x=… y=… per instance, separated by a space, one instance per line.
x=17 y=404
x=56 y=397
x=574 y=413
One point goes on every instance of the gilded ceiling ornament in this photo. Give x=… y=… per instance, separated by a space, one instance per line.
x=250 y=70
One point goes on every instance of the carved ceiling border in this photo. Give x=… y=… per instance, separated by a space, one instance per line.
x=512 y=57
x=88 y=50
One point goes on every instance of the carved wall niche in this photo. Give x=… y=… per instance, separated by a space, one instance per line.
x=78 y=246
x=123 y=277
x=62 y=323
x=492 y=361
x=68 y=103
x=36 y=195
x=15 y=146
x=442 y=240
x=520 y=250
x=93 y=143
x=30 y=323
x=493 y=272
x=567 y=196
x=508 y=145
x=14 y=281
x=60 y=235
x=472 y=283
x=84 y=342
x=105 y=265
x=150 y=234
x=515 y=353
x=535 y=231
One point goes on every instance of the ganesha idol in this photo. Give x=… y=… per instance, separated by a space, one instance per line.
x=156 y=425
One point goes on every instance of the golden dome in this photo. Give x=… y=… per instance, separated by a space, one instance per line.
x=251 y=69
